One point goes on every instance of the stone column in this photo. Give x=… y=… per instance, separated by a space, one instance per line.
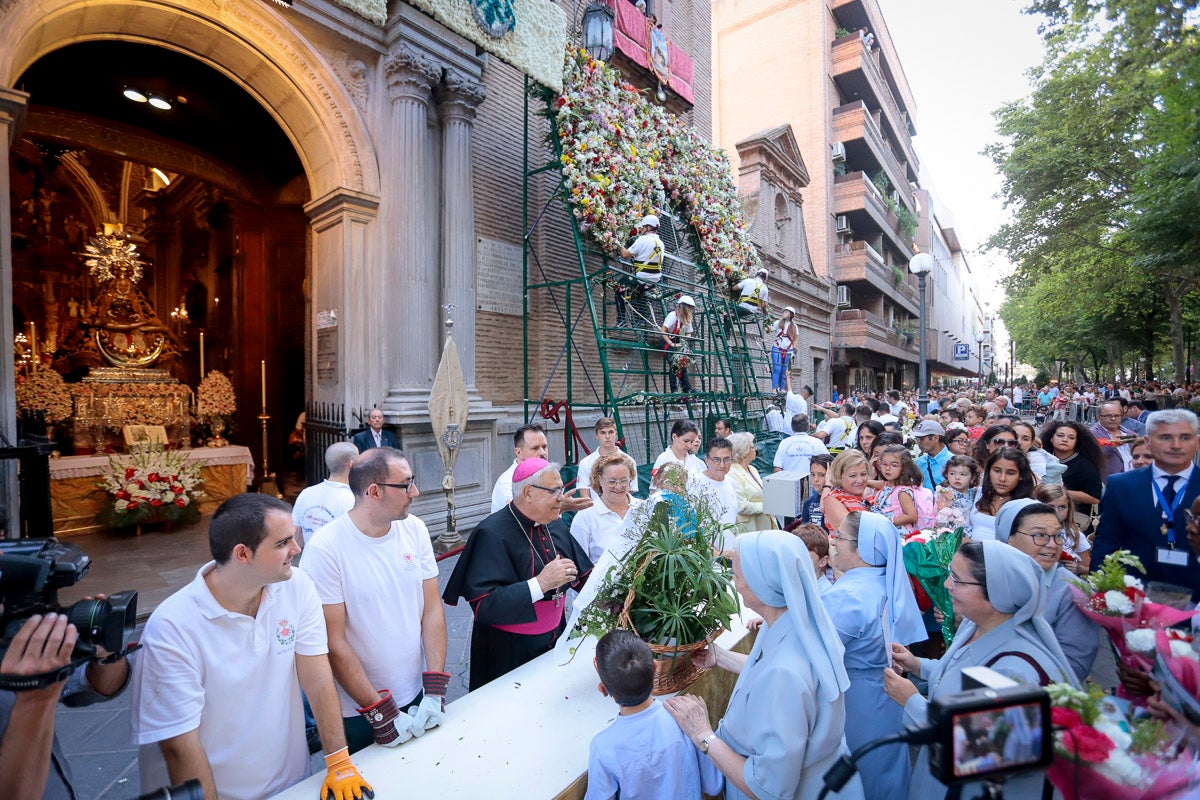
x=458 y=98
x=12 y=116
x=407 y=301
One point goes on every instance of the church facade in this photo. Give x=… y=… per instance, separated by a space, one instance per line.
x=338 y=178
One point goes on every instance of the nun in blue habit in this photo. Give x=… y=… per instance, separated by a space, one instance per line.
x=872 y=605
x=783 y=727
x=1025 y=524
x=999 y=591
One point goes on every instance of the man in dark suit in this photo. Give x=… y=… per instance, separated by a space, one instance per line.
x=375 y=435
x=1142 y=510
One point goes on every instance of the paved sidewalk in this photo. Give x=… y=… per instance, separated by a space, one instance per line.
x=96 y=739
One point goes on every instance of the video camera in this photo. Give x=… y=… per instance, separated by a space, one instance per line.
x=994 y=728
x=31 y=573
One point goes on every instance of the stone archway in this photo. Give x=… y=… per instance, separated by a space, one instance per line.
x=248 y=42
x=260 y=50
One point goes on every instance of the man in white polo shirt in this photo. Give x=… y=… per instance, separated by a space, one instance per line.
x=319 y=505
x=217 y=683
x=375 y=573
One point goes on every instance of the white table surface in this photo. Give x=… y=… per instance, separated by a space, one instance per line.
x=523 y=735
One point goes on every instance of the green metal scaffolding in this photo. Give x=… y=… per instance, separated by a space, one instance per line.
x=621 y=371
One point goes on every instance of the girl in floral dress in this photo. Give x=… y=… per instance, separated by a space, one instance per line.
x=903 y=499
x=960 y=487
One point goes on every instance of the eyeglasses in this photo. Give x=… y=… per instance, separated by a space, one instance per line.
x=718 y=461
x=557 y=491
x=835 y=537
x=1110 y=416
x=954 y=579
x=412 y=484
x=1041 y=538
x=614 y=482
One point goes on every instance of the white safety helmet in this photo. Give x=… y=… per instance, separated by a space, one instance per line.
x=685 y=300
x=650 y=220
x=762 y=272
x=789 y=308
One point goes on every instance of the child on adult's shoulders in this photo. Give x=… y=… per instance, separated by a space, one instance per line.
x=643 y=754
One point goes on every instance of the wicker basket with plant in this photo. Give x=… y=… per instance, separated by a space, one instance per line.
x=671 y=588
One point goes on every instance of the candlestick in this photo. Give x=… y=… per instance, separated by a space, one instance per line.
x=33 y=343
x=201 y=355
x=263 y=367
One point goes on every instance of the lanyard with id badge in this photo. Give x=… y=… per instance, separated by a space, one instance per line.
x=1169 y=555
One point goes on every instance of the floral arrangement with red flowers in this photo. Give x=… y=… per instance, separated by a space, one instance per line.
x=151 y=484
x=1116 y=601
x=1104 y=749
x=44 y=390
x=623 y=156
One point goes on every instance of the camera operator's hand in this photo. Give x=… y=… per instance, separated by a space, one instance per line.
x=43 y=644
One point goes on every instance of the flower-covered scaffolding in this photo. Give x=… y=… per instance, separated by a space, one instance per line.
x=620 y=151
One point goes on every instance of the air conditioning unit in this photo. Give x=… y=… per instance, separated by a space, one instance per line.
x=843 y=224
x=843 y=296
x=837 y=152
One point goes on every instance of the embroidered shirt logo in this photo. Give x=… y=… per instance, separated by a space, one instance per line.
x=285 y=632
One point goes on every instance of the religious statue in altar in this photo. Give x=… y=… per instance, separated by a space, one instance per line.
x=129 y=351
x=120 y=328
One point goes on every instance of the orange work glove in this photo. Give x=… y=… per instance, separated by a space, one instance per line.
x=342 y=781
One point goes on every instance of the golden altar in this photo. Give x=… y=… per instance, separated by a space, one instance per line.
x=76 y=501
x=110 y=398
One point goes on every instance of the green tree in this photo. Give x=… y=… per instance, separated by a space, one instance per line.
x=1101 y=173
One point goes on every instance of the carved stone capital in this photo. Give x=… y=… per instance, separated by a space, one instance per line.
x=459 y=95
x=410 y=75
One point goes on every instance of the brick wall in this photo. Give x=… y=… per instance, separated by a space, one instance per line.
x=497 y=162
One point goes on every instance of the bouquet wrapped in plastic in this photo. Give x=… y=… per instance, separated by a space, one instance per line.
x=927 y=557
x=1116 y=601
x=1106 y=750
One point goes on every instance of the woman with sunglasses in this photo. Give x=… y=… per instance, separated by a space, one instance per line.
x=1033 y=528
x=603 y=525
x=991 y=440
x=998 y=592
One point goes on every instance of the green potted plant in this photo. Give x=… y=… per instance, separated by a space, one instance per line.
x=672 y=587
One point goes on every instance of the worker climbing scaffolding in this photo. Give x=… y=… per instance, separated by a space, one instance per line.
x=660 y=251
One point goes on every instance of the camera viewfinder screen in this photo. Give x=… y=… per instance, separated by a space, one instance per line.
x=997 y=739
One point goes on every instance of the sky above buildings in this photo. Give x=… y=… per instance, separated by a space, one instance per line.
x=963 y=60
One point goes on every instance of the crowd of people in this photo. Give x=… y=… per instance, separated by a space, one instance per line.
x=263 y=659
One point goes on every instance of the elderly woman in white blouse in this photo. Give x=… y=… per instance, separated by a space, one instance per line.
x=749 y=485
x=603 y=526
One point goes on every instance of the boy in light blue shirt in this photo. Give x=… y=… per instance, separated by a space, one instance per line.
x=642 y=755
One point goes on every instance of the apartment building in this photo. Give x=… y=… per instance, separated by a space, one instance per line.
x=829 y=69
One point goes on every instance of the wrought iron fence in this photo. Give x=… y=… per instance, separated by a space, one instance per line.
x=324 y=424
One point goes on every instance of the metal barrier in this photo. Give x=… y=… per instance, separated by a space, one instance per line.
x=324 y=424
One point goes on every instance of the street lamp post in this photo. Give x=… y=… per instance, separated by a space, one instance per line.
x=921 y=265
x=598 y=31
x=979 y=337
